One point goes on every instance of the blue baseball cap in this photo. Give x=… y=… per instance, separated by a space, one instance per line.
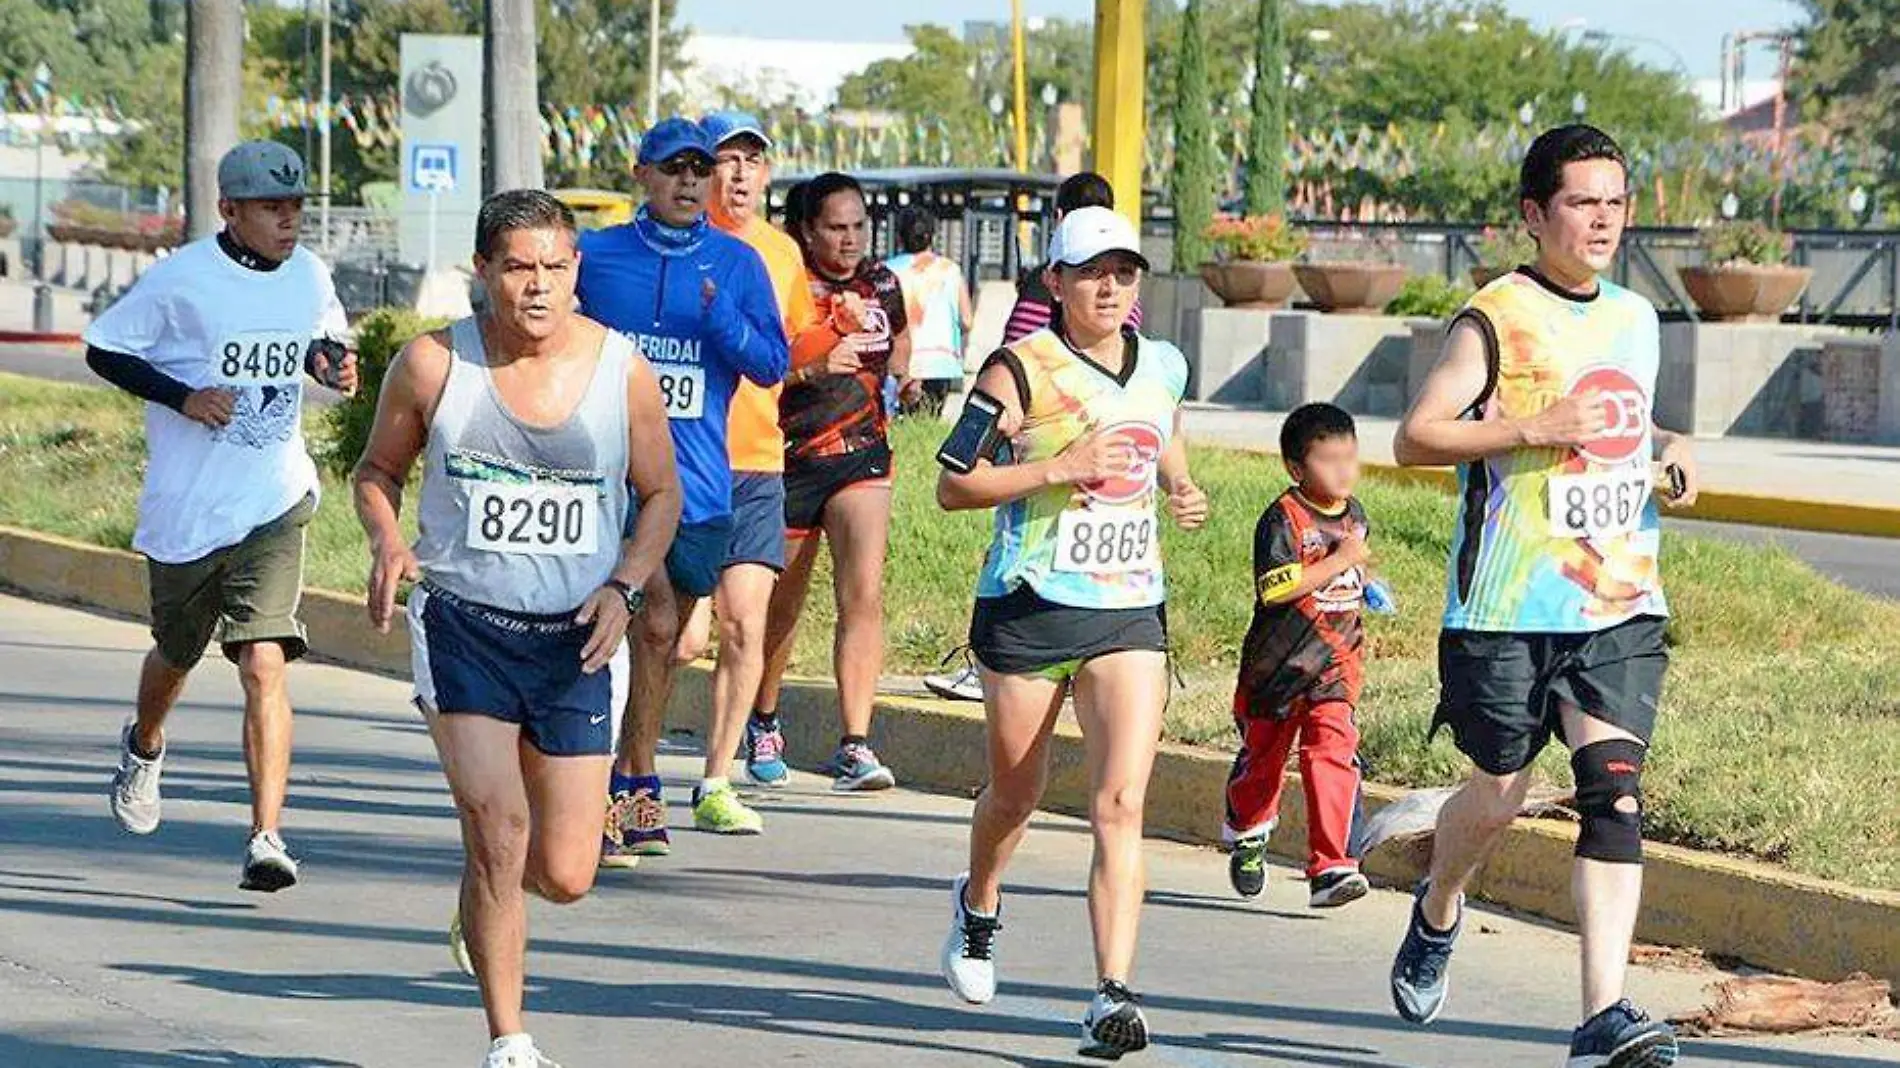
x=671 y=137
x=723 y=126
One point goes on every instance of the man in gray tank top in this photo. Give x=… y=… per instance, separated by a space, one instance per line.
x=532 y=423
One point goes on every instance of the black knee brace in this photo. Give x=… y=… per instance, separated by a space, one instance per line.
x=1610 y=800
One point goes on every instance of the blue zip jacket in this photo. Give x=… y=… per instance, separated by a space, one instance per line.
x=648 y=280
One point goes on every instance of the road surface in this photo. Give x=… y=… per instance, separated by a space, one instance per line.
x=814 y=944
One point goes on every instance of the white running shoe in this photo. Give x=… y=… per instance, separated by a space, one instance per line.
x=1337 y=886
x=458 y=945
x=968 y=959
x=135 y=800
x=268 y=866
x=517 y=1051
x=962 y=685
x=1114 y=1025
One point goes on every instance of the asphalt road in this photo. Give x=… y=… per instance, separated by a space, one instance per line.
x=814 y=944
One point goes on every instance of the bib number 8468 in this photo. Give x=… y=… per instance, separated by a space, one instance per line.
x=260 y=358
x=1110 y=542
x=1598 y=505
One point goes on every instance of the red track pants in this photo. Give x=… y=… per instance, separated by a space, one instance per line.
x=1329 y=770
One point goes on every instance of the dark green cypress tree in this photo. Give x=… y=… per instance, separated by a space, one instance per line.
x=1192 y=184
x=1266 y=136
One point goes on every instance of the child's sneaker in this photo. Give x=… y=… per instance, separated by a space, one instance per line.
x=1337 y=886
x=1247 y=866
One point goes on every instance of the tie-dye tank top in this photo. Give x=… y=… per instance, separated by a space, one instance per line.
x=1558 y=539
x=1096 y=545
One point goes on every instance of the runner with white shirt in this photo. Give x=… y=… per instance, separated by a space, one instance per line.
x=217 y=339
x=537 y=429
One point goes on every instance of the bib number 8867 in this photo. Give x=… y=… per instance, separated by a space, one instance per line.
x=1598 y=505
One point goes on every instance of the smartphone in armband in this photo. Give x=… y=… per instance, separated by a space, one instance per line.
x=974 y=434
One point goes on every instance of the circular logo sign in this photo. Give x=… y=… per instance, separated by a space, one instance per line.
x=1145 y=439
x=429 y=89
x=1625 y=413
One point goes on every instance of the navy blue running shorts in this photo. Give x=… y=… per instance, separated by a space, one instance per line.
x=758 y=520
x=472 y=659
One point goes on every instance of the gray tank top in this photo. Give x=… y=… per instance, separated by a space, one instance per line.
x=517 y=517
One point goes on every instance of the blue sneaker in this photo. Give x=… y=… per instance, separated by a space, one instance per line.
x=1622 y=1036
x=765 y=753
x=854 y=768
x=1419 y=979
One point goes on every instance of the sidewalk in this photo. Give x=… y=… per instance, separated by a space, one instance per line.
x=1809 y=475
x=16 y=310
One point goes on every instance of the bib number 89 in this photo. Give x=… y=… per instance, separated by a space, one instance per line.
x=682 y=391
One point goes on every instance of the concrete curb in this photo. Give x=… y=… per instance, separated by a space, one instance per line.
x=28 y=337
x=1769 y=918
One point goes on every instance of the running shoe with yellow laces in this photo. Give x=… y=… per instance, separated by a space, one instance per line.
x=717 y=809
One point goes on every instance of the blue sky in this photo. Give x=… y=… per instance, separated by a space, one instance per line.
x=1694 y=28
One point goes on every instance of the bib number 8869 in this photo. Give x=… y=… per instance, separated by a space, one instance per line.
x=1105 y=544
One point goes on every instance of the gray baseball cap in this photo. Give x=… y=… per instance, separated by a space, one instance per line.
x=261 y=170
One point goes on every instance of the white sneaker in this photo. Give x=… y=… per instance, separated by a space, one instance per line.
x=135 y=800
x=963 y=685
x=968 y=963
x=458 y=945
x=268 y=866
x=1337 y=886
x=516 y=1051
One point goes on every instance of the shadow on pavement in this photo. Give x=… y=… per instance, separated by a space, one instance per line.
x=26 y=1052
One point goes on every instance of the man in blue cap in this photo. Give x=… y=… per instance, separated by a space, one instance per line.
x=699 y=305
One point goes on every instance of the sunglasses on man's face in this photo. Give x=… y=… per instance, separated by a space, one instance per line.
x=678 y=165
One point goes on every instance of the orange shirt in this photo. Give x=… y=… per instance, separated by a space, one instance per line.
x=753 y=438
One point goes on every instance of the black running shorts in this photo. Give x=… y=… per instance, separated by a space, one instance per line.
x=811 y=484
x=1022 y=634
x=1500 y=691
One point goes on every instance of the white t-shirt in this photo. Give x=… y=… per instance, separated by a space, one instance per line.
x=207 y=321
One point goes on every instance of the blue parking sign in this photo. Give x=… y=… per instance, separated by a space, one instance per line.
x=432 y=168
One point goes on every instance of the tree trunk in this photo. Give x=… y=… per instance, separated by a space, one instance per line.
x=513 y=112
x=1266 y=135
x=214 y=81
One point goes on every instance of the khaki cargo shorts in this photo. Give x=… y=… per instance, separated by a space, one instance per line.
x=241 y=594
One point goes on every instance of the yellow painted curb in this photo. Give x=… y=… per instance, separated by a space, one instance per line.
x=1770 y=918
x=1714 y=506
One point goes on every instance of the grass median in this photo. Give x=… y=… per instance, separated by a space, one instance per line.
x=1778 y=737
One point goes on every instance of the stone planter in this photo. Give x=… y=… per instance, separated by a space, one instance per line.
x=64 y=233
x=1744 y=293
x=1249 y=283
x=1482 y=275
x=1350 y=288
x=7 y=226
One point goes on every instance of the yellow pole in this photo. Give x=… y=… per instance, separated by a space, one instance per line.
x=1120 y=65
x=1022 y=79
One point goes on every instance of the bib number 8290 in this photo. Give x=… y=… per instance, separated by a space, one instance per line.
x=535 y=520
x=1600 y=504
x=1105 y=542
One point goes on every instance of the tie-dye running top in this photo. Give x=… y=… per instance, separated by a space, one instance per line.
x=1560 y=540
x=1095 y=545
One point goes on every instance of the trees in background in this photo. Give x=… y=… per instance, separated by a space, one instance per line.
x=1265 y=190
x=1191 y=186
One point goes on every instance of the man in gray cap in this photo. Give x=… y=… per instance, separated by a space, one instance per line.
x=217 y=338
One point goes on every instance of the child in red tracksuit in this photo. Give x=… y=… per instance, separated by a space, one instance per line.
x=1303 y=661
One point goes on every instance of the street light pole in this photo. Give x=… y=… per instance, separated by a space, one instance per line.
x=653 y=65
x=323 y=136
x=1021 y=80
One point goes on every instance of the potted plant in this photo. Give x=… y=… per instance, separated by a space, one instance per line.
x=1501 y=249
x=1428 y=300
x=1744 y=277
x=1252 y=264
x=1359 y=276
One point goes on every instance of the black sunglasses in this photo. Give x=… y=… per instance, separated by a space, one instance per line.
x=685 y=161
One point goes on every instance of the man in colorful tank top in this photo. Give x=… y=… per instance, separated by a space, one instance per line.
x=1554 y=614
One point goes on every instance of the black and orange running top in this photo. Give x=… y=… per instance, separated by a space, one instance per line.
x=836 y=415
x=1311 y=647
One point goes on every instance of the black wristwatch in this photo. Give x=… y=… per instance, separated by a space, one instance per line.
x=636 y=599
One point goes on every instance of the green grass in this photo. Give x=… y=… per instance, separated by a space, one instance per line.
x=1781 y=729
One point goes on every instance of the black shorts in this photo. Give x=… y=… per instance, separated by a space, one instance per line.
x=811 y=484
x=1022 y=634
x=1500 y=691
